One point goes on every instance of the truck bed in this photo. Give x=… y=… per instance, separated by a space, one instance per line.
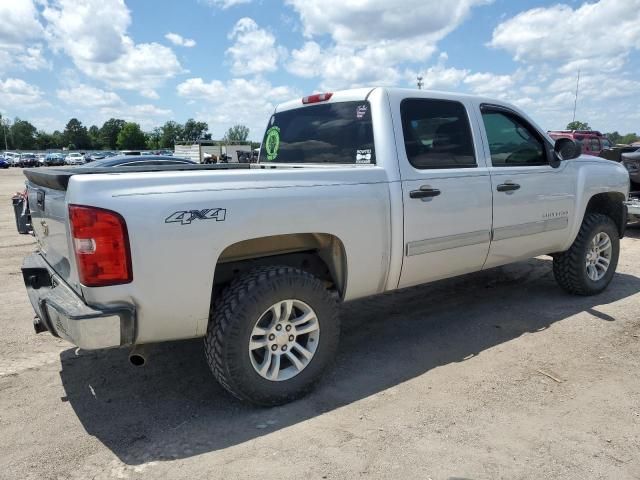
x=58 y=178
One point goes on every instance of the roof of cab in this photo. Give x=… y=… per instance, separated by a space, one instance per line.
x=358 y=94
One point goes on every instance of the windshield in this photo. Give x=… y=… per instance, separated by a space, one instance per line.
x=326 y=133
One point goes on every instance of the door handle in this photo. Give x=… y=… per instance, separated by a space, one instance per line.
x=508 y=187
x=424 y=193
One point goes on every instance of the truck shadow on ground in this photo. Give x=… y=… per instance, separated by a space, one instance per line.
x=173 y=408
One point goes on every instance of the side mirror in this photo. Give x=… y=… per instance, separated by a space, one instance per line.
x=566 y=149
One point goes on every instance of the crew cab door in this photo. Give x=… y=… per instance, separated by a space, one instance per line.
x=446 y=189
x=532 y=201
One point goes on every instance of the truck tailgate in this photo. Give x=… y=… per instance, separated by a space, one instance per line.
x=49 y=219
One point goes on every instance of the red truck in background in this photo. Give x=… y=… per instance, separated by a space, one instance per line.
x=592 y=141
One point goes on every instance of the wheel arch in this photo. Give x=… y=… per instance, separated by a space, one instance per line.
x=321 y=254
x=610 y=204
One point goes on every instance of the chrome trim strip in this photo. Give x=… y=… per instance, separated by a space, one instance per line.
x=524 y=229
x=446 y=243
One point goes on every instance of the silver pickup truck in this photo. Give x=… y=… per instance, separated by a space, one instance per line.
x=356 y=193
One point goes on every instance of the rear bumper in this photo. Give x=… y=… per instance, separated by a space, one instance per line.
x=633 y=208
x=65 y=314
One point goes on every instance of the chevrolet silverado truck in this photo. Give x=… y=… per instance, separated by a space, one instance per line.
x=355 y=193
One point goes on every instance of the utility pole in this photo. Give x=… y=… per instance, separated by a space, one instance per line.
x=420 y=82
x=4 y=129
x=575 y=103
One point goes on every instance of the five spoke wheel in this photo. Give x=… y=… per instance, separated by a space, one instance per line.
x=598 y=256
x=284 y=340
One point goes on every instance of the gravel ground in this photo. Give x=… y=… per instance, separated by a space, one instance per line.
x=493 y=375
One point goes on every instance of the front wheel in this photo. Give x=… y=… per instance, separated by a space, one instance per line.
x=272 y=334
x=590 y=263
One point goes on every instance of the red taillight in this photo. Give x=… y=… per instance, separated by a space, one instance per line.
x=101 y=245
x=318 y=97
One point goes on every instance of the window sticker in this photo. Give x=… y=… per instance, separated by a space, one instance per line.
x=272 y=143
x=361 y=111
x=363 y=156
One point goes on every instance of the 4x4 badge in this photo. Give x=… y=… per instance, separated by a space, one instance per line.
x=185 y=217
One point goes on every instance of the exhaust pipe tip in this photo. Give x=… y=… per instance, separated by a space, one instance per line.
x=138 y=356
x=137 y=360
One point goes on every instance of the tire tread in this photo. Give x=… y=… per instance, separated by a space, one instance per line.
x=567 y=265
x=225 y=312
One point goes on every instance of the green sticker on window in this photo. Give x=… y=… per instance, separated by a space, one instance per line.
x=272 y=143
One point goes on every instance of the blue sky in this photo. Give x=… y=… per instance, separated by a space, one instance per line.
x=232 y=61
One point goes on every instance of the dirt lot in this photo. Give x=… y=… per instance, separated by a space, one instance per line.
x=442 y=381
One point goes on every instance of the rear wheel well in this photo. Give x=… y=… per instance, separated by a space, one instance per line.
x=320 y=254
x=611 y=205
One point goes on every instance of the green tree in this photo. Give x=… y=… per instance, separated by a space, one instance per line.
x=109 y=132
x=94 y=138
x=5 y=134
x=154 y=139
x=237 y=134
x=171 y=131
x=44 y=140
x=578 y=125
x=57 y=139
x=193 y=130
x=614 y=137
x=23 y=135
x=131 y=137
x=76 y=134
x=629 y=138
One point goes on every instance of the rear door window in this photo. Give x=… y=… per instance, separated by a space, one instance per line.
x=436 y=134
x=338 y=133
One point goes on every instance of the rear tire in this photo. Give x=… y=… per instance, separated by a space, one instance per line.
x=259 y=317
x=590 y=263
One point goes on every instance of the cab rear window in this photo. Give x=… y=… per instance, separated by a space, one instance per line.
x=339 y=133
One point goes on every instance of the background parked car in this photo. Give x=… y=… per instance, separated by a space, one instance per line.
x=54 y=159
x=28 y=160
x=99 y=155
x=12 y=158
x=631 y=162
x=139 y=161
x=75 y=158
x=592 y=141
x=3 y=163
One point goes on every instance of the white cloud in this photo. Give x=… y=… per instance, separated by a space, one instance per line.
x=147 y=115
x=179 y=40
x=438 y=76
x=88 y=30
x=306 y=62
x=224 y=104
x=19 y=29
x=363 y=22
x=254 y=49
x=23 y=58
x=19 y=22
x=93 y=33
x=489 y=84
x=224 y=4
x=143 y=67
x=32 y=58
x=553 y=43
x=594 y=36
x=16 y=94
x=88 y=96
x=370 y=38
x=343 y=67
